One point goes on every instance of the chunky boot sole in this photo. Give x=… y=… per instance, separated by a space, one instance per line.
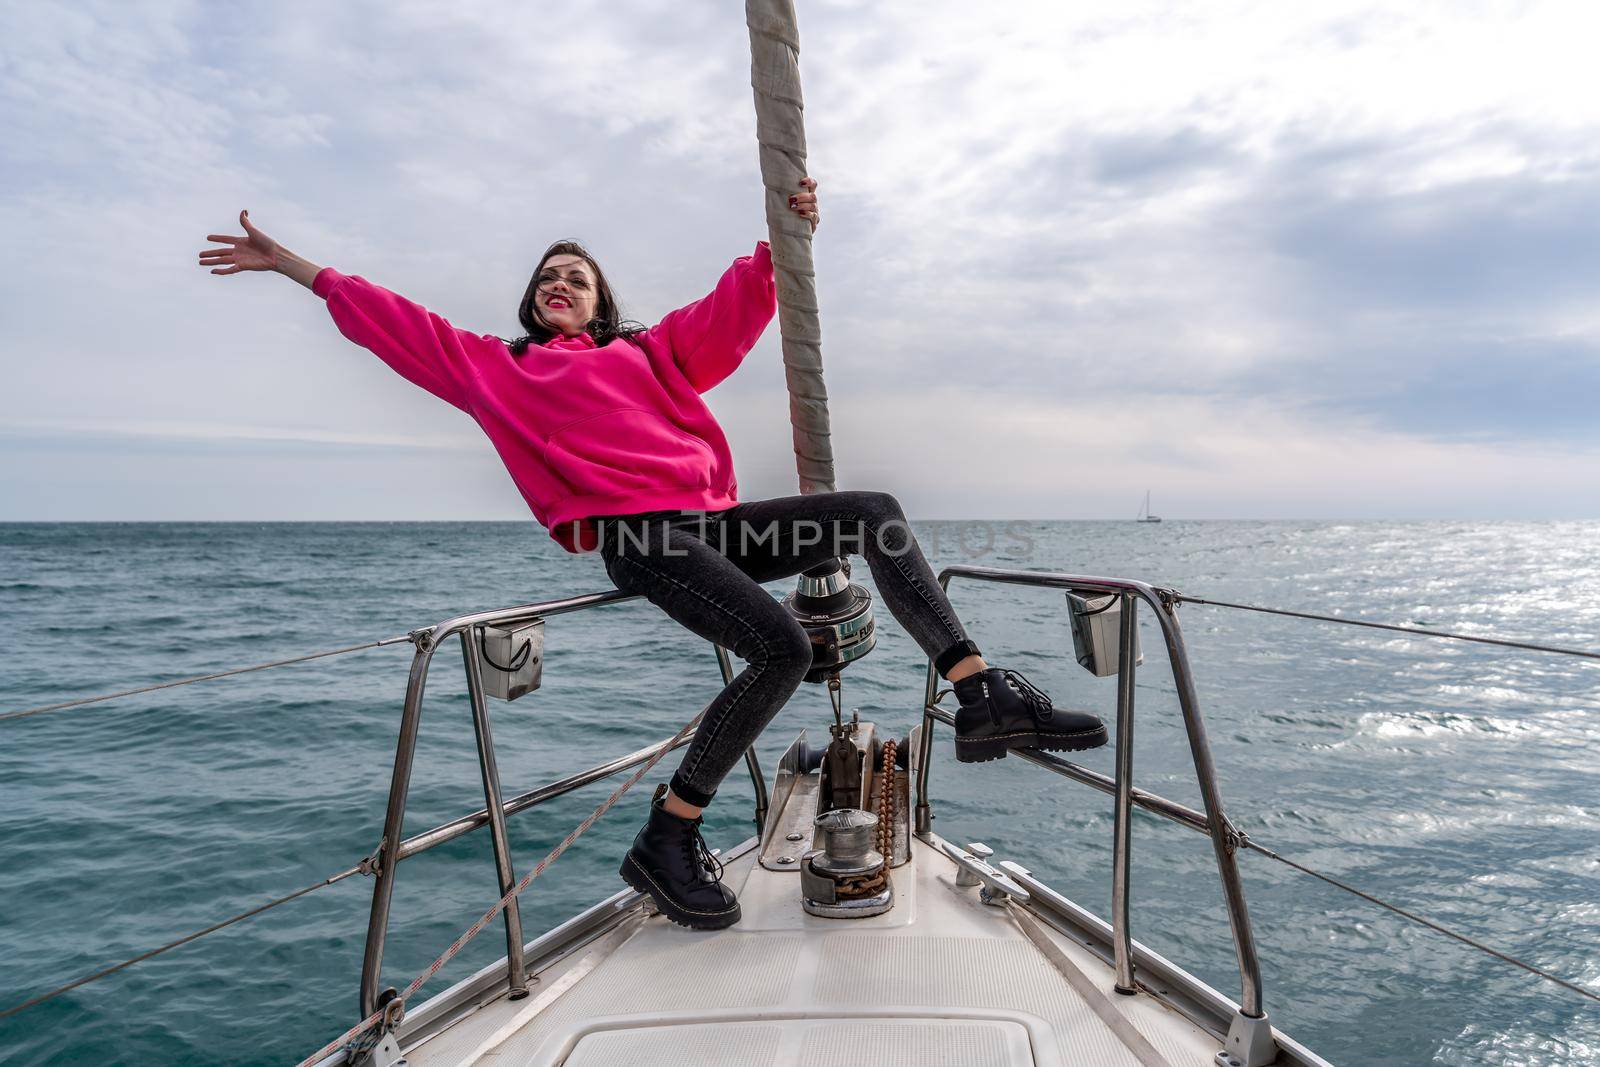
x=640 y=879
x=983 y=749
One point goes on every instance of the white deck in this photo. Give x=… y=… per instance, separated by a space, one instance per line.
x=941 y=980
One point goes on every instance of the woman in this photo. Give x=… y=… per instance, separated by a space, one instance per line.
x=601 y=425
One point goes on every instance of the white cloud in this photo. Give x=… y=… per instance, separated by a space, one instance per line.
x=1023 y=455
x=219 y=432
x=1221 y=212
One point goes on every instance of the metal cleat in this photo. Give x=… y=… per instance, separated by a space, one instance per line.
x=998 y=886
x=964 y=876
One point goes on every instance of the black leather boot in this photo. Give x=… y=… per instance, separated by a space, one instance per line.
x=1000 y=710
x=670 y=863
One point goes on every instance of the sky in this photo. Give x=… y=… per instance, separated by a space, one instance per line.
x=1273 y=260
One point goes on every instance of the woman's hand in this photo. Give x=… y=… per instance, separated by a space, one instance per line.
x=804 y=203
x=255 y=251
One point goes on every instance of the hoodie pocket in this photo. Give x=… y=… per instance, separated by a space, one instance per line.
x=628 y=449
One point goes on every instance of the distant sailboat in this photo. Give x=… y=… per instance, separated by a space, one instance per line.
x=1144 y=512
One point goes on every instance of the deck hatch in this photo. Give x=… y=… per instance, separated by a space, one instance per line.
x=857 y=1042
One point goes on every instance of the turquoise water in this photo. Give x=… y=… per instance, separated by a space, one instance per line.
x=1458 y=780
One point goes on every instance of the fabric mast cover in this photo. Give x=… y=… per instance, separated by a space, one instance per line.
x=780 y=133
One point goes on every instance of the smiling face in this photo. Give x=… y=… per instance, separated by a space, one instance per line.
x=568 y=293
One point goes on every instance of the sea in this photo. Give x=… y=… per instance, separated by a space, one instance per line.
x=1459 y=781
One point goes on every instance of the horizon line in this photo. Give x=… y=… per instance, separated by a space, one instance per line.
x=538 y=526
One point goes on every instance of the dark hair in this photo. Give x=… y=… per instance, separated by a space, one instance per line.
x=607 y=324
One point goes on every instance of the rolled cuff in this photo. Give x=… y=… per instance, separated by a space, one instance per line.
x=957 y=652
x=688 y=793
x=325 y=280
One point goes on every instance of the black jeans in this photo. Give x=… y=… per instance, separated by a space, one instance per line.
x=705 y=569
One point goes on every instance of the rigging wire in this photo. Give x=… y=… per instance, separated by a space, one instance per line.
x=363 y=867
x=184 y=940
x=1174 y=595
x=1416 y=630
x=24 y=713
x=1244 y=841
x=1247 y=842
x=1423 y=920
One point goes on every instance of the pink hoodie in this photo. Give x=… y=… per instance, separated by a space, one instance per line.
x=583 y=430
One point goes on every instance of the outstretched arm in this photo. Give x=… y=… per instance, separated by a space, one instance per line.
x=419 y=345
x=710 y=337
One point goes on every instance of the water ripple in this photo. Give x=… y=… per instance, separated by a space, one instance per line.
x=1456 y=779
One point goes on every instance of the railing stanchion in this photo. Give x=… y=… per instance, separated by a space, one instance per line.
x=387 y=856
x=1225 y=839
x=1122 y=830
x=923 y=820
x=516 y=974
x=394 y=818
x=758 y=780
x=1223 y=843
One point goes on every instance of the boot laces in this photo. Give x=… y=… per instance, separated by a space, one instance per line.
x=1037 y=701
x=699 y=854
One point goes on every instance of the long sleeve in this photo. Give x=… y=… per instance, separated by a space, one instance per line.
x=710 y=337
x=418 y=345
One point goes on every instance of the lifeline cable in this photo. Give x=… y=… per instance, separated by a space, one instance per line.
x=1198 y=823
x=1422 y=920
x=472 y=931
x=1417 y=630
x=332 y=879
x=201 y=678
x=184 y=940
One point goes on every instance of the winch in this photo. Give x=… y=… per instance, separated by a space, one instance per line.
x=836 y=614
x=846 y=878
x=822 y=795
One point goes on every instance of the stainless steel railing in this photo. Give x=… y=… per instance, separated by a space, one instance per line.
x=1213 y=821
x=1210 y=822
x=392 y=848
